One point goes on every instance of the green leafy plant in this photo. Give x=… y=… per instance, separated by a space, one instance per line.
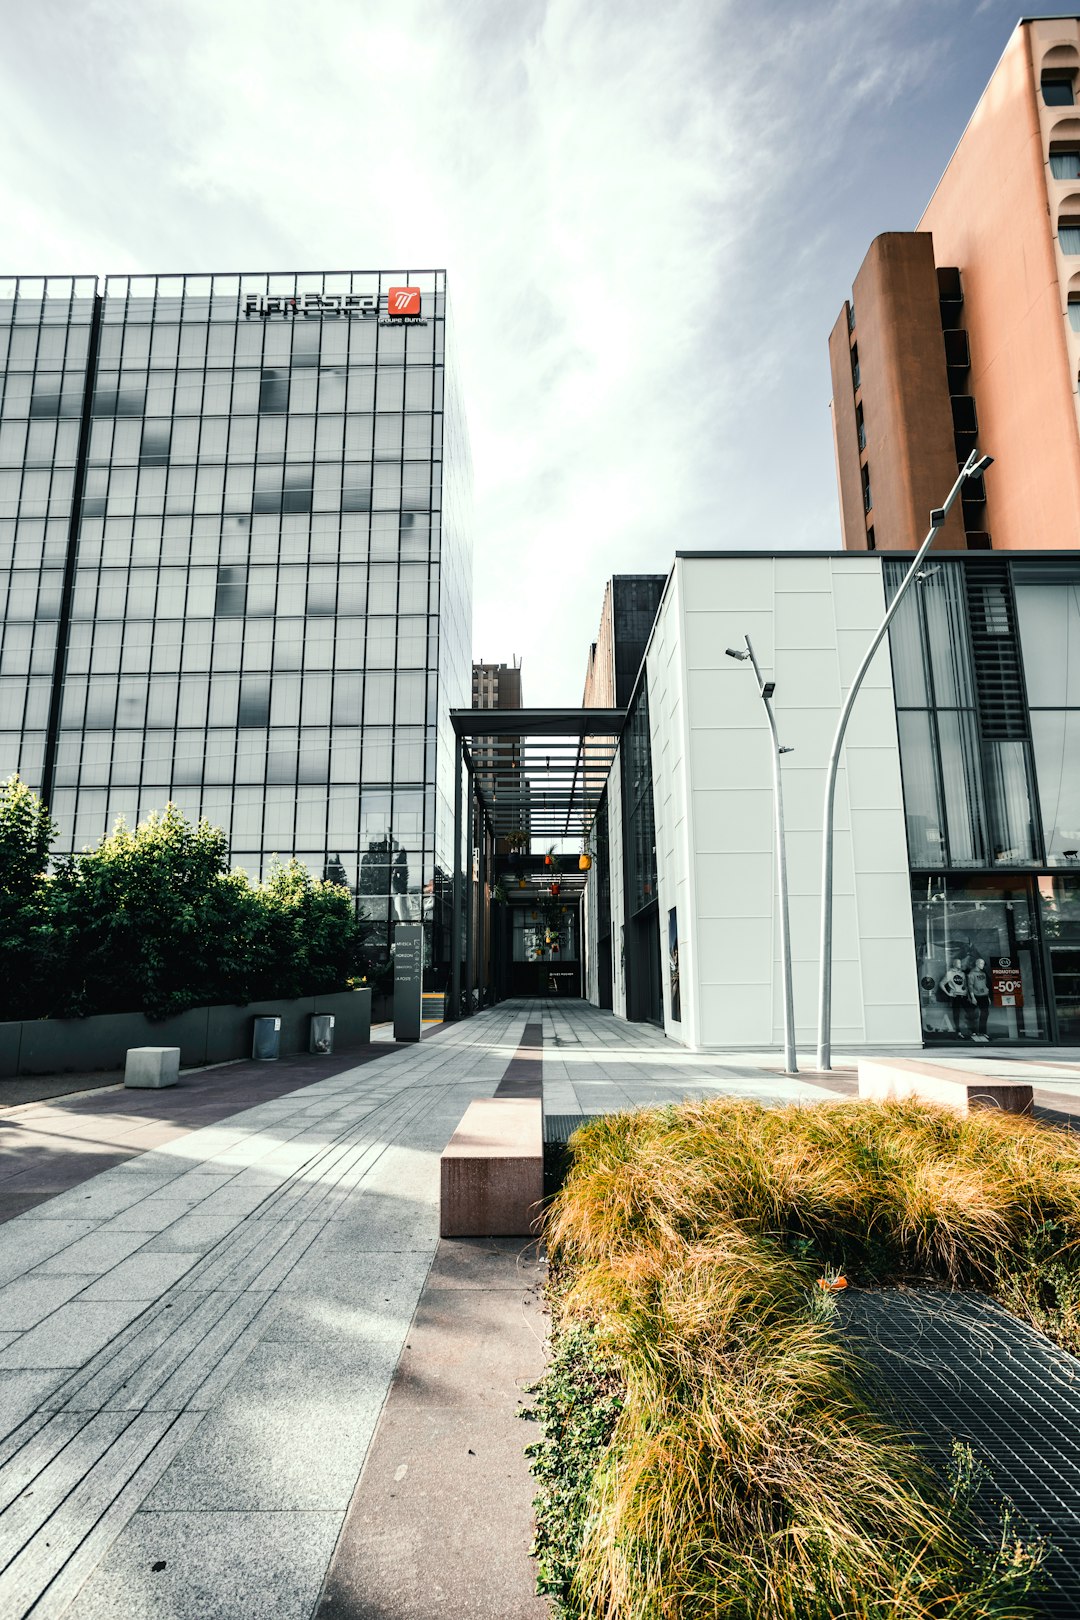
x=153 y=920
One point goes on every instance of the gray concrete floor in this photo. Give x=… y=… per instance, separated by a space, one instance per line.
x=196 y=1343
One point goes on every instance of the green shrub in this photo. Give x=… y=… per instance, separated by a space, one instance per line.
x=738 y=1464
x=152 y=920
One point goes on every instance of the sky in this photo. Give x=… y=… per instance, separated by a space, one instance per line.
x=650 y=215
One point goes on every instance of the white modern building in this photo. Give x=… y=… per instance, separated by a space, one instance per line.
x=958 y=791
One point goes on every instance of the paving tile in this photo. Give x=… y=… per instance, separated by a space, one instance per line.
x=217 y=1566
x=292 y=1434
x=28 y=1300
x=440 y=1365
x=192 y=1234
x=70 y=1335
x=149 y=1215
x=142 y=1276
x=29 y=1240
x=22 y=1393
x=90 y=1256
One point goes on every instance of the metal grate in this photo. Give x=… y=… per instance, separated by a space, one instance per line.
x=558 y=1129
x=995 y=650
x=957 y=1366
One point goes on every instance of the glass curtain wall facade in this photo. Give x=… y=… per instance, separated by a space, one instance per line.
x=986 y=672
x=235 y=547
x=644 y=990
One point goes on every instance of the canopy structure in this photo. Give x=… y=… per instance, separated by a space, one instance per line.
x=540 y=772
x=536 y=776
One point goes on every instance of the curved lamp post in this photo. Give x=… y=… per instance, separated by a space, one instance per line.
x=766 y=690
x=973 y=467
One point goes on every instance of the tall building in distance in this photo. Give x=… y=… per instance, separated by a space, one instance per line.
x=627 y=616
x=235 y=558
x=498 y=686
x=969 y=327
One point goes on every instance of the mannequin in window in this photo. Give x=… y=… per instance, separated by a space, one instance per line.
x=978 y=995
x=953 y=989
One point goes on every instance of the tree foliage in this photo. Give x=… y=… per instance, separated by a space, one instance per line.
x=152 y=920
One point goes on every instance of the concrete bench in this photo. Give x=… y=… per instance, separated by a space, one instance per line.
x=883 y=1079
x=492 y=1170
x=151 y=1067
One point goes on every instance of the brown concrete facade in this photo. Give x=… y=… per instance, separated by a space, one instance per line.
x=600 y=674
x=994 y=217
x=902 y=393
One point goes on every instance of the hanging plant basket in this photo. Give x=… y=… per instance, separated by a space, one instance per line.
x=522 y=883
x=584 y=862
x=549 y=860
x=555 y=887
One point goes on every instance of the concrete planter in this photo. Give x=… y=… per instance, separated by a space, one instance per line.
x=203 y=1034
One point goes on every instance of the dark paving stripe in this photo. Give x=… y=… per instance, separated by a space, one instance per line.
x=119 y=1125
x=524 y=1072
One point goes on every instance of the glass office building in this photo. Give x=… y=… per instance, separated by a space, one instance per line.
x=235 y=567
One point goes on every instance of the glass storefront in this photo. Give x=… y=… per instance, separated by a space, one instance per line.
x=978 y=959
x=998 y=957
x=986 y=672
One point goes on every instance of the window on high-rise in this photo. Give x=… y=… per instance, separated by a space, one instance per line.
x=1069 y=235
x=1065 y=162
x=856 y=376
x=860 y=426
x=1074 y=311
x=1057 y=90
x=868 y=499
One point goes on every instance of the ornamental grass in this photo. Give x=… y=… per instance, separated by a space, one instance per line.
x=711 y=1445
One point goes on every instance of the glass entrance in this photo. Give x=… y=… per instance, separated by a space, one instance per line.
x=978 y=964
x=1059 y=899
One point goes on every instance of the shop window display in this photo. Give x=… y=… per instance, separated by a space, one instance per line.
x=977 y=951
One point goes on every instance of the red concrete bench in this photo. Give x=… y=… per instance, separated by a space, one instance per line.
x=885 y=1078
x=492 y=1170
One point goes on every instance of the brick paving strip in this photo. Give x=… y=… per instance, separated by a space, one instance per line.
x=441 y=1519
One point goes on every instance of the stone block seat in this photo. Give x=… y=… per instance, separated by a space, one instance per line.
x=151 y=1067
x=492 y=1170
x=882 y=1079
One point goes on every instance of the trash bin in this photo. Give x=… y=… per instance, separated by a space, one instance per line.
x=266 y=1040
x=322 y=1033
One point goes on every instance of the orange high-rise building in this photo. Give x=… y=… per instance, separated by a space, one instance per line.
x=969 y=328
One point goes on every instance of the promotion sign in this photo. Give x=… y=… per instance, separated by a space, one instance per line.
x=1006 y=984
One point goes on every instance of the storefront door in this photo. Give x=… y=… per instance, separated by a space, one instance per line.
x=1059 y=901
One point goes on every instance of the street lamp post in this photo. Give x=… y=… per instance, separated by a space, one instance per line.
x=766 y=690
x=973 y=467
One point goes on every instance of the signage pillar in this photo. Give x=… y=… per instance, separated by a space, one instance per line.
x=408 y=980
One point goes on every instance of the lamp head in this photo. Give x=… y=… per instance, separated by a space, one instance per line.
x=733 y=653
x=981 y=466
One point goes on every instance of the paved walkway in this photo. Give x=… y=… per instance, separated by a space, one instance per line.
x=197 y=1341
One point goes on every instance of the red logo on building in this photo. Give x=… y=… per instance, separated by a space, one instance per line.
x=403 y=301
